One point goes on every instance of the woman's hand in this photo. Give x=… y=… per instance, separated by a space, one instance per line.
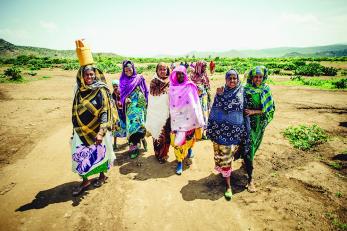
x=250 y=112
x=98 y=139
x=127 y=101
x=220 y=90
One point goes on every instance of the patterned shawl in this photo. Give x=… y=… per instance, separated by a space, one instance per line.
x=227 y=124
x=198 y=76
x=90 y=101
x=266 y=99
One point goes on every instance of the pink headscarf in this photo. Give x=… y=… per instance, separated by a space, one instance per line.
x=185 y=108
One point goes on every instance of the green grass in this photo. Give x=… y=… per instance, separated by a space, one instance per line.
x=326 y=84
x=335 y=221
x=335 y=165
x=338 y=194
x=305 y=137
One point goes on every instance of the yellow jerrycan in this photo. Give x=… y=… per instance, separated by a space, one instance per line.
x=84 y=53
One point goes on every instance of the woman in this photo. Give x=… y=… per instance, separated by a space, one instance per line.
x=134 y=98
x=158 y=117
x=227 y=126
x=199 y=77
x=92 y=121
x=260 y=108
x=212 y=67
x=121 y=129
x=185 y=115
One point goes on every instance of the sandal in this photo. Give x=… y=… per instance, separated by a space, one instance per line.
x=100 y=182
x=144 y=143
x=228 y=194
x=251 y=187
x=80 y=189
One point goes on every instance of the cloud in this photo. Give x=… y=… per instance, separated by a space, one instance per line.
x=49 y=26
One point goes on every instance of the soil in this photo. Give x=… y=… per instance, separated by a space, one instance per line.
x=296 y=190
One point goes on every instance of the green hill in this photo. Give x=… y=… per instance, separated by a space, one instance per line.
x=9 y=50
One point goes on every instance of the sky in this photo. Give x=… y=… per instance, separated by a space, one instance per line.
x=176 y=27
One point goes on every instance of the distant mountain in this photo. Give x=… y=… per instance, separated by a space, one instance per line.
x=9 y=50
x=330 y=50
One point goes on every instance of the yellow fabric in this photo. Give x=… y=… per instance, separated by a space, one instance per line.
x=181 y=152
x=88 y=127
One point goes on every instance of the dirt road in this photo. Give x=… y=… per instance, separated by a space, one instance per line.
x=296 y=189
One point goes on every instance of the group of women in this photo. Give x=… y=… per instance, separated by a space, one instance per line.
x=176 y=111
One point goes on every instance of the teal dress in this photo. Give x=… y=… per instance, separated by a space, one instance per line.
x=135 y=113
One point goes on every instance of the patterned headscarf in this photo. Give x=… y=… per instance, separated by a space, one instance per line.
x=129 y=83
x=227 y=124
x=99 y=79
x=266 y=99
x=199 y=76
x=258 y=70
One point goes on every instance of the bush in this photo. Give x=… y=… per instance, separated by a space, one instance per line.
x=13 y=73
x=310 y=69
x=296 y=78
x=151 y=67
x=315 y=69
x=341 y=84
x=305 y=137
x=221 y=69
x=139 y=70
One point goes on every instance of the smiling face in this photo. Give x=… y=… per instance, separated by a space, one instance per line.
x=180 y=77
x=128 y=71
x=88 y=77
x=162 y=71
x=232 y=81
x=257 y=80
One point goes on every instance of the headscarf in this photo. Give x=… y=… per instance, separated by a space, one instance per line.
x=84 y=122
x=185 y=109
x=227 y=124
x=99 y=79
x=115 y=82
x=129 y=83
x=159 y=85
x=266 y=99
x=198 y=76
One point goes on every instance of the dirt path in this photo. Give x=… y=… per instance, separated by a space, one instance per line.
x=296 y=190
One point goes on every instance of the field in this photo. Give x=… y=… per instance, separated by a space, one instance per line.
x=297 y=189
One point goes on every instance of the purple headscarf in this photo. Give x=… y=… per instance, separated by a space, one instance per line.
x=128 y=84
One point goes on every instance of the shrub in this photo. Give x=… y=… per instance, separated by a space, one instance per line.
x=305 y=137
x=310 y=69
x=139 y=70
x=341 y=84
x=13 y=73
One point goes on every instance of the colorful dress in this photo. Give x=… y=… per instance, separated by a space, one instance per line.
x=185 y=113
x=91 y=112
x=134 y=98
x=121 y=123
x=258 y=98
